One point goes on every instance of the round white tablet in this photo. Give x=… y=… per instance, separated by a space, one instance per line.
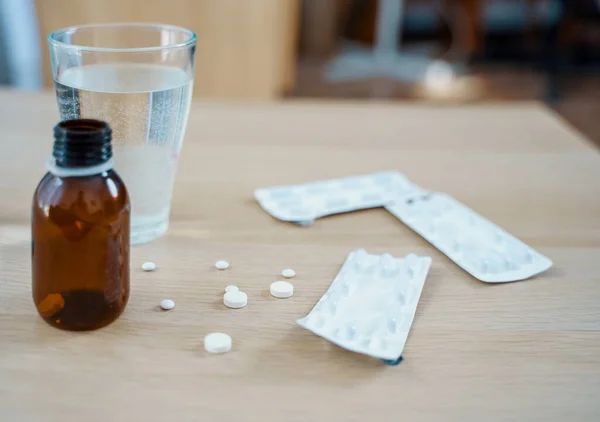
x=288 y=273
x=221 y=265
x=167 y=304
x=235 y=299
x=231 y=288
x=282 y=289
x=148 y=266
x=217 y=343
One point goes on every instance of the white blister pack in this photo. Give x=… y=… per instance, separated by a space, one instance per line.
x=475 y=244
x=304 y=203
x=370 y=306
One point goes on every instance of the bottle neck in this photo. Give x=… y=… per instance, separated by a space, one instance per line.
x=80 y=144
x=59 y=171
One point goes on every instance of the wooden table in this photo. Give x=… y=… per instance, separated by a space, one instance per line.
x=524 y=351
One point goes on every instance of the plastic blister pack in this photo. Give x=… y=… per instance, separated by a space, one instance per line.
x=481 y=248
x=370 y=306
x=475 y=244
x=304 y=203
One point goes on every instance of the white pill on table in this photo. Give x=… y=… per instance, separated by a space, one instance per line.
x=231 y=288
x=288 y=273
x=217 y=343
x=221 y=265
x=235 y=299
x=167 y=304
x=282 y=289
x=148 y=266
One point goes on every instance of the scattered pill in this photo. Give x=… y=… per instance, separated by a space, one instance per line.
x=217 y=343
x=235 y=299
x=221 y=265
x=288 y=273
x=148 y=266
x=167 y=304
x=231 y=289
x=282 y=289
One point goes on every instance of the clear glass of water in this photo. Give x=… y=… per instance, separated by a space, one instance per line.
x=138 y=78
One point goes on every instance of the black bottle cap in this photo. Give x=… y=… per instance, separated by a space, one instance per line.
x=82 y=143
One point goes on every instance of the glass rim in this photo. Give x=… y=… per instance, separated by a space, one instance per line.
x=52 y=37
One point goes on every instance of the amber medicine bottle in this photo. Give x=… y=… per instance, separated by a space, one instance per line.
x=80 y=231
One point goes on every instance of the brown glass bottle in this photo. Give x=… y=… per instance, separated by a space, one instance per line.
x=80 y=231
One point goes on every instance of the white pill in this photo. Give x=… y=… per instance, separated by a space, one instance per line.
x=167 y=304
x=235 y=299
x=282 y=289
x=221 y=265
x=148 y=266
x=231 y=289
x=288 y=273
x=217 y=343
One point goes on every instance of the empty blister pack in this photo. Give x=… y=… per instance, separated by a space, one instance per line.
x=370 y=306
x=304 y=203
x=475 y=244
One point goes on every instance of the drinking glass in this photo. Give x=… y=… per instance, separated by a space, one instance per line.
x=139 y=79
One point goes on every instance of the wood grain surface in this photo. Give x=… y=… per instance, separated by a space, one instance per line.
x=527 y=351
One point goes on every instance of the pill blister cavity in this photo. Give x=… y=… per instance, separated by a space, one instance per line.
x=392 y=325
x=509 y=264
x=351 y=332
x=319 y=321
x=345 y=289
x=370 y=326
x=388 y=265
x=498 y=238
x=378 y=343
x=332 y=307
x=412 y=260
x=369 y=263
x=412 y=265
x=494 y=264
x=431 y=229
x=455 y=246
x=359 y=259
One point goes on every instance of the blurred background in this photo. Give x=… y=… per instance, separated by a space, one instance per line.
x=442 y=51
